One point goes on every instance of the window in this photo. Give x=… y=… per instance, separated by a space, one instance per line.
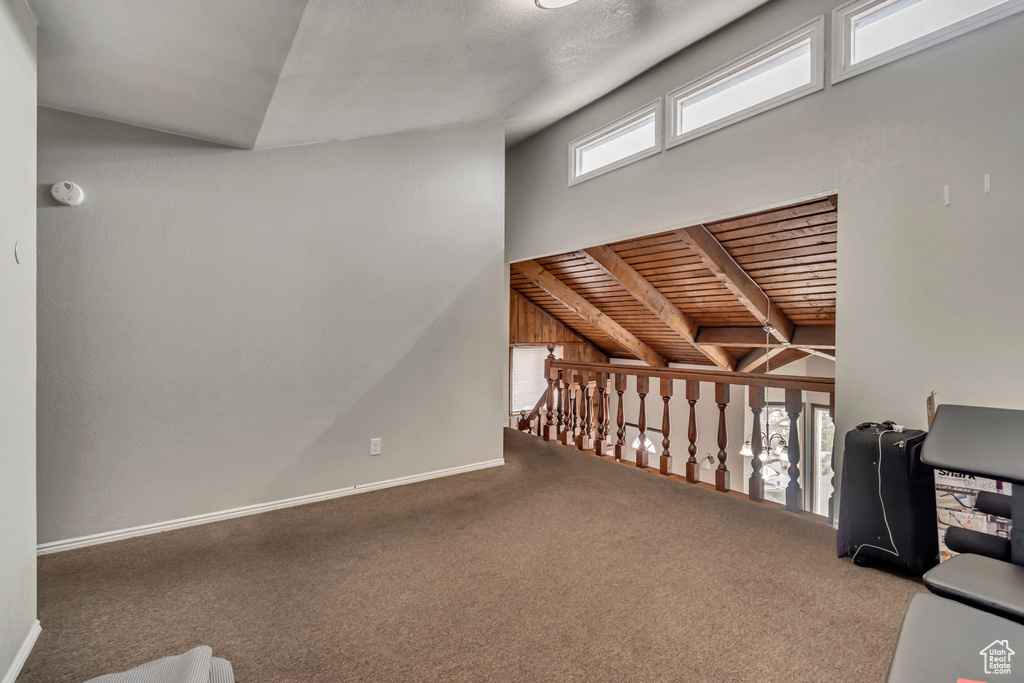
x=775 y=456
x=780 y=72
x=869 y=33
x=527 y=380
x=648 y=445
x=824 y=435
x=631 y=138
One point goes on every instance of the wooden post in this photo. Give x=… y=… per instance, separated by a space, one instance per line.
x=692 y=466
x=608 y=410
x=620 y=444
x=643 y=385
x=602 y=414
x=722 y=473
x=794 y=494
x=666 y=427
x=832 y=496
x=560 y=425
x=586 y=413
x=569 y=434
x=550 y=430
x=755 y=486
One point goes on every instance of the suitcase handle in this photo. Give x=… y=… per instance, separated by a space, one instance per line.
x=888 y=424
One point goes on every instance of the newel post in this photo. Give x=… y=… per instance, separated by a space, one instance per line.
x=722 y=473
x=692 y=466
x=756 y=483
x=794 y=494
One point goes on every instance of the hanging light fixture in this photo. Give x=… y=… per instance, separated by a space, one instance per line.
x=553 y=4
x=748 y=449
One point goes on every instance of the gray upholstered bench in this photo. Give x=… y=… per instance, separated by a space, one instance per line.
x=943 y=640
x=991 y=585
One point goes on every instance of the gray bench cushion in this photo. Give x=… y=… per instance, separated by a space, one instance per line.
x=984 y=441
x=942 y=640
x=991 y=585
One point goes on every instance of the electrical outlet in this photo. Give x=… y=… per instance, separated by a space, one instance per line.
x=374 y=446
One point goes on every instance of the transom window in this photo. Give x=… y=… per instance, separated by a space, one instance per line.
x=633 y=137
x=780 y=72
x=869 y=33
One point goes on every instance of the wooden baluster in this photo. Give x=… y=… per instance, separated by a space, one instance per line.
x=666 y=456
x=643 y=385
x=620 y=420
x=577 y=424
x=577 y=405
x=832 y=496
x=794 y=494
x=521 y=423
x=583 y=441
x=602 y=414
x=692 y=466
x=608 y=410
x=755 y=487
x=722 y=473
x=560 y=425
x=550 y=430
x=569 y=435
x=592 y=414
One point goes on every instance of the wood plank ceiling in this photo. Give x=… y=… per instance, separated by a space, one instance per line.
x=787 y=255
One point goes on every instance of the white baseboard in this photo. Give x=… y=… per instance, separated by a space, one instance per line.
x=121 y=534
x=23 y=652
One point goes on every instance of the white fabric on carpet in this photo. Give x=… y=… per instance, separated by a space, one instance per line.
x=198 y=665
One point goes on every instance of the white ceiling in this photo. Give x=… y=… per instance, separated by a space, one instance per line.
x=269 y=73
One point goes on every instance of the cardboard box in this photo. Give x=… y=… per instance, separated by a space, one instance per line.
x=955 y=498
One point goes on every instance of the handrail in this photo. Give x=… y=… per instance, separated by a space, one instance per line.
x=527 y=419
x=541 y=402
x=579 y=415
x=823 y=384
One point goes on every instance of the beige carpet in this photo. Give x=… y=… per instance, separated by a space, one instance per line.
x=556 y=567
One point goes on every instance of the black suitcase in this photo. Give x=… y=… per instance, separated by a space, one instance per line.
x=889 y=496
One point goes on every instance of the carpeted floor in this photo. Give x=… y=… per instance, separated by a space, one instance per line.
x=556 y=567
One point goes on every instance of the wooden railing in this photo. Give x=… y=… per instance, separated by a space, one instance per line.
x=530 y=421
x=575 y=411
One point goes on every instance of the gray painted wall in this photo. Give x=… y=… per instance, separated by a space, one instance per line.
x=219 y=328
x=17 y=329
x=929 y=295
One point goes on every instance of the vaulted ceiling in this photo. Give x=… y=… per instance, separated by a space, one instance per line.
x=269 y=73
x=700 y=294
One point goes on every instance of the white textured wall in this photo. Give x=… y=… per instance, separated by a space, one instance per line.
x=221 y=328
x=929 y=295
x=17 y=328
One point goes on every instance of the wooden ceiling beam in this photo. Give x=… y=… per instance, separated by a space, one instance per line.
x=779 y=360
x=803 y=337
x=714 y=256
x=536 y=274
x=657 y=303
x=756 y=358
